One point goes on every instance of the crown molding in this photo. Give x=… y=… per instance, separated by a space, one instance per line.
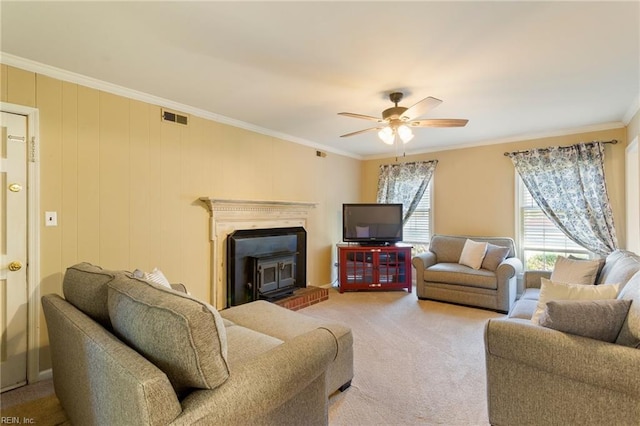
x=72 y=77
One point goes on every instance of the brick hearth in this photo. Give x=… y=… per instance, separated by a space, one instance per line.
x=304 y=297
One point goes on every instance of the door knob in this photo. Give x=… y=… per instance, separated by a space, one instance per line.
x=15 y=266
x=15 y=187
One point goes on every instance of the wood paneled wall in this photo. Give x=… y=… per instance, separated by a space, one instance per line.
x=126 y=185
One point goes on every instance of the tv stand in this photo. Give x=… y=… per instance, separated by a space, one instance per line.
x=379 y=267
x=375 y=244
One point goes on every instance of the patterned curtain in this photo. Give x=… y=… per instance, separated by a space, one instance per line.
x=568 y=184
x=404 y=183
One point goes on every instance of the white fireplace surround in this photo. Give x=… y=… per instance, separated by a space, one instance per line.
x=228 y=216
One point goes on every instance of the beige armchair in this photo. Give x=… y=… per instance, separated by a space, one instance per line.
x=439 y=276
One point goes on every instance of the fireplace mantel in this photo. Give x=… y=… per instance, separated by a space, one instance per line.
x=227 y=216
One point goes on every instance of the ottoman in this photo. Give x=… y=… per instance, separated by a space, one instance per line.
x=281 y=323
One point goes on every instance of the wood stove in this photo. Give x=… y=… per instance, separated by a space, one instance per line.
x=265 y=263
x=273 y=275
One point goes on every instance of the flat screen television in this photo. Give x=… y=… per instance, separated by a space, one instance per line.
x=375 y=224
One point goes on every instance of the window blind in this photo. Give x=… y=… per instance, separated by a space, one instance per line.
x=417 y=229
x=539 y=233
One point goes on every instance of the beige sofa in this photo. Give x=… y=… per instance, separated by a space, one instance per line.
x=541 y=376
x=439 y=276
x=125 y=351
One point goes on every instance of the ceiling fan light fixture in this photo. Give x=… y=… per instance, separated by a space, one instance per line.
x=387 y=135
x=398 y=120
x=405 y=133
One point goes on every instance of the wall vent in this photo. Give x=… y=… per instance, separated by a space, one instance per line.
x=174 y=117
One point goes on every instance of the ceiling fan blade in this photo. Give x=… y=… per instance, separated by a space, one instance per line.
x=364 y=117
x=421 y=108
x=360 y=131
x=439 y=122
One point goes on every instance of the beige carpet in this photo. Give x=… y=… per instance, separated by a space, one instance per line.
x=416 y=362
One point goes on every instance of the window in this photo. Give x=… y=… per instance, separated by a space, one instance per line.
x=417 y=229
x=541 y=242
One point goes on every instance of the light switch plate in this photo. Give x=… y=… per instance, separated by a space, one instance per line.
x=50 y=218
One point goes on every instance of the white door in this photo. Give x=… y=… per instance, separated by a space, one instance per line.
x=13 y=251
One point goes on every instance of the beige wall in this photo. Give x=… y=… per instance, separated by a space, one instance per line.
x=126 y=185
x=633 y=206
x=474 y=188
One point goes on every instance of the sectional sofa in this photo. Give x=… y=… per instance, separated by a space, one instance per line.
x=583 y=368
x=127 y=351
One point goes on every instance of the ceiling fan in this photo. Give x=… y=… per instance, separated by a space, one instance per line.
x=397 y=120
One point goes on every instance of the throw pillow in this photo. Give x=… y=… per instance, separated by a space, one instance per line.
x=595 y=319
x=494 y=256
x=601 y=262
x=575 y=271
x=551 y=290
x=181 y=335
x=85 y=287
x=630 y=332
x=156 y=276
x=472 y=254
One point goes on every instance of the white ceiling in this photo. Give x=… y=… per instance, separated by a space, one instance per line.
x=514 y=69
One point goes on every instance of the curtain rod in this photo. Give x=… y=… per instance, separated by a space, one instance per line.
x=612 y=142
x=407 y=163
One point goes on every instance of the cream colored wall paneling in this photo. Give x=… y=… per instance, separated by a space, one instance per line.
x=21 y=87
x=69 y=174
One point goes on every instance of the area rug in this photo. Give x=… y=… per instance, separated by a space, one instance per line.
x=416 y=362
